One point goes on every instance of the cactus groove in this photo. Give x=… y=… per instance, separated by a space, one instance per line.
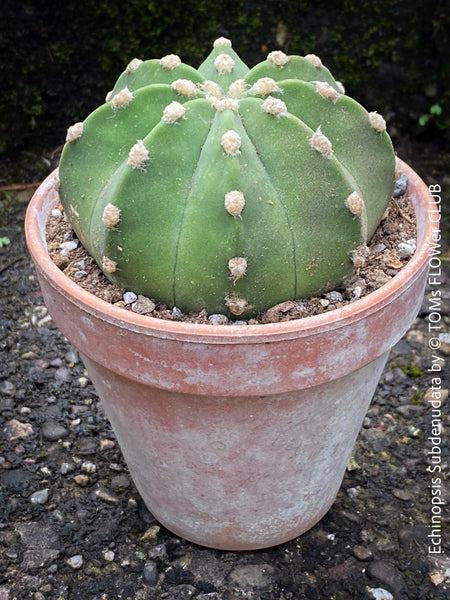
x=227 y=188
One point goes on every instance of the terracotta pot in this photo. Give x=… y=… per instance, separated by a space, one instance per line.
x=237 y=437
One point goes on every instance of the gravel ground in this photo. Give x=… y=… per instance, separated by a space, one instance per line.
x=72 y=525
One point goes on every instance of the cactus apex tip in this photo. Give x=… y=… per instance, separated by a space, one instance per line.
x=222 y=41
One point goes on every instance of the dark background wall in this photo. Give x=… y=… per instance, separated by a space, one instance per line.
x=60 y=57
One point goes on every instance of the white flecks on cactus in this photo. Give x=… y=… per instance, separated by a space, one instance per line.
x=224 y=63
x=314 y=60
x=185 y=87
x=138 y=155
x=211 y=88
x=340 y=87
x=265 y=86
x=321 y=144
x=236 y=305
x=169 y=62
x=108 y=265
x=237 y=267
x=237 y=88
x=377 y=122
x=274 y=106
x=74 y=132
x=222 y=41
x=355 y=204
x=133 y=65
x=111 y=215
x=109 y=96
x=173 y=112
x=324 y=89
x=122 y=98
x=231 y=142
x=278 y=58
x=225 y=104
x=234 y=203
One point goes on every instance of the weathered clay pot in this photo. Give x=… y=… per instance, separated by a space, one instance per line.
x=237 y=437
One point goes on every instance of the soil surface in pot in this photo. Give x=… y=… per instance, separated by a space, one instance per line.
x=375 y=264
x=73 y=527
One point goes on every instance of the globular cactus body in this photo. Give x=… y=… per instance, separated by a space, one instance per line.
x=226 y=188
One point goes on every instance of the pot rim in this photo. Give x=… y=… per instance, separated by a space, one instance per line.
x=422 y=200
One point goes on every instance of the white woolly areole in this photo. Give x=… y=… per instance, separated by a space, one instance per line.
x=274 y=106
x=321 y=144
x=377 y=122
x=237 y=88
x=234 y=203
x=224 y=63
x=74 y=132
x=133 y=65
x=237 y=267
x=138 y=155
x=222 y=41
x=265 y=86
x=185 y=87
x=355 y=204
x=231 y=142
x=122 y=98
x=173 y=112
x=109 y=96
x=324 y=89
x=314 y=60
x=108 y=265
x=170 y=61
x=225 y=104
x=212 y=88
x=278 y=58
x=236 y=305
x=340 y=87
x=111 y=216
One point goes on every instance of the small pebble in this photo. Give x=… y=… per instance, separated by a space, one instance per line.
x=79 y=275
x=406 y=249
x=82 y=381
x=378 y=249
x=39 y=497
x=143 y=305
x=401 y=185
x=66 y=468
x=129 y=297
x=7 y=388
x=150 y=573
x=81 y=480
x=76 y=562
x=324 y=302
x=217 y=319
x=56 y=212
x=108 y=555
x=334 y=297
x=67 y=247
x=177 y=313
x=80 y=264
x=379 y=594
x=88 y=467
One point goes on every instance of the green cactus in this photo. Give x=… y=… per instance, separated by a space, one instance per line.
x=225 y=188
